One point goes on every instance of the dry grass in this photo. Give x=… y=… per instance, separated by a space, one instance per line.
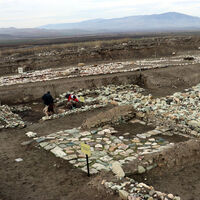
x=23 y=51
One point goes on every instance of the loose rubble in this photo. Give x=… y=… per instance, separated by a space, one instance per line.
x=20 y=108
x=51 y=74
x=179 y=111
x=129 y=189
x=8 y=119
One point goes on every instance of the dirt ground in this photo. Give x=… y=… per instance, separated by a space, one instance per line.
x=137 y=128
x=133 y=128
x=166 y=81
x=184 y=181
x=40 y=175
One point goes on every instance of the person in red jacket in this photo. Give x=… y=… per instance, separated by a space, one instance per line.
x=71 y=97
x=72 y=101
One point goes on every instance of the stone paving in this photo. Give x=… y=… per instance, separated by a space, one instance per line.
x=107 y=149
x=105 y=146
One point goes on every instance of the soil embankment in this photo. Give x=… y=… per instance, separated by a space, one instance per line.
x=158 y=82
x=177 y=170
x=54 y=56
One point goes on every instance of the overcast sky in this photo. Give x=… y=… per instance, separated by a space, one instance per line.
x=33 y=13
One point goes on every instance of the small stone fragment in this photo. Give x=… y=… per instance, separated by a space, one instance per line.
x=123 y=194
x=141 y=169
x=31 y=134
x=117 y=169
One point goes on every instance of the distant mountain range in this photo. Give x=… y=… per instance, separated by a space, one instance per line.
x=16 y=33
x=166 y=21
x=170 y=21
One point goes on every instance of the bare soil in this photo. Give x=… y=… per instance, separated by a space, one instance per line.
x=40 y=175
x=184 y=181
x=177 y=170
x=132 y=128
x=138 y=128
x=167 y=81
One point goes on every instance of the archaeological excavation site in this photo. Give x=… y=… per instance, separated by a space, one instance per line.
x=123 y=124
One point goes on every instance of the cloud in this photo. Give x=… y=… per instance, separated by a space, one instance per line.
x=29 y=13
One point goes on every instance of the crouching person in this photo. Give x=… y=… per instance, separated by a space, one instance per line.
x=73 y=102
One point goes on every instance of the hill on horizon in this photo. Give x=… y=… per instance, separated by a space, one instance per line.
x=162 y=22
x=141 y=24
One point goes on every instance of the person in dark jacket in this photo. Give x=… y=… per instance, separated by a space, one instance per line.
x=49 y=104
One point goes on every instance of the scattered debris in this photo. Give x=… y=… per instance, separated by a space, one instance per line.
x=31 y=134
x=18 y=159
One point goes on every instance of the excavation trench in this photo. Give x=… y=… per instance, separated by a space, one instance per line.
x=158 y=82
x=176 y=171
x=176 y=168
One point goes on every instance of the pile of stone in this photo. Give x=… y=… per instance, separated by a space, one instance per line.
x=179 y=111
x=8 y=119
x=31 y=77
x=98 y=98
x=108 y=68
x=129 y=189
x=20 y=108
